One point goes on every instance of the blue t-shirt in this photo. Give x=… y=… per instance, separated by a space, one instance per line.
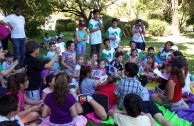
x=81 y=34
x=50 y=54
x=88 y=86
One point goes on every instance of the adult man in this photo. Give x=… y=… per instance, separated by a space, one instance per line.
x=16 y=22
x=96 y=29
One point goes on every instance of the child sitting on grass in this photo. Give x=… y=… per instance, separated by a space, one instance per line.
x=69 y=58
x=28 y=108
x=50 y=82
x=132 y=114
x=172 y=96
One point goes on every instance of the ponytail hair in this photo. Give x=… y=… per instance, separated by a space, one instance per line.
x=14 y=82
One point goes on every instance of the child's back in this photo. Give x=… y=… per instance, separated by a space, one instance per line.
x=88 y=86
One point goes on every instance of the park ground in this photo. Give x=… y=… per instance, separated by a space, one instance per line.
x=185 y=43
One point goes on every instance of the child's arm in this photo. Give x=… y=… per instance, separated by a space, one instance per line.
x=75 y=74
x=43 y=95
x=8 y=71
x=24 y=113
x=170 y=88
x=64 y=64
x=136 y=60
x=73 y=111
x=78 y=38
x=31 y=102
x=45 y=111
x=50 y=64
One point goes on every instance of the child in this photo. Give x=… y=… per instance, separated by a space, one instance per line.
x=76 y=73
x=9 y=108
x=28 y=108
x=44 y=73
x=128 y=84
x=34 y=67
x=150 y=66
x=172 y=96
x=131 y=115
x=163 y=53
x=116 y=66
x=132 y=45
x=50 y=82
x=133 y=57
x=100 y=71
x=59 y=35
x=81 y=37
x=69 y=58
x=61 y=45
x=114 y=34
x=50 y=55
x=87 y=85
x=151 y=50
x=94 y=58
x=47 y=40
x=8 y=61
x=60 y=104
x=108 y=53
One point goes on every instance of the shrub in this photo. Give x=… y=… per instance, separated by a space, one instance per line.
x=60 y=27
x=71 y=26
x=157 y=27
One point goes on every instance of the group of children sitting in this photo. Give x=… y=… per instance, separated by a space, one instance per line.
x=95 y=85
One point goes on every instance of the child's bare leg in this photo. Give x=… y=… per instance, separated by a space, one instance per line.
x=30 y=117
x=160 y=118
x=156 y=99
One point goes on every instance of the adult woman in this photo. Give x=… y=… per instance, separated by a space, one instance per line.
x=138 y=32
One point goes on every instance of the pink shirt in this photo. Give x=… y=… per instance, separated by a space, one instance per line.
x=21 y=99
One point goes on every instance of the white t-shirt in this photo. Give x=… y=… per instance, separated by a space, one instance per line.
x=114 y=32
x=61 y=46
x=186 y=88
x=108 y=54
x=95 y=37
x=78 y=67
x=125 y=120
x=138 y=36
x=18 y=23
x=16 y=117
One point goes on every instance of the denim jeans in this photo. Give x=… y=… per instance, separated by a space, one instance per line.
x=19 y=48
x=80 y=49
x=139 y=45
x=95 y=48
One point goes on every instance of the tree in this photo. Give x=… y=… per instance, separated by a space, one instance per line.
x=36 y=13
x=83 y=8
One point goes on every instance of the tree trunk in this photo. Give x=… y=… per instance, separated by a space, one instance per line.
x=175 y=23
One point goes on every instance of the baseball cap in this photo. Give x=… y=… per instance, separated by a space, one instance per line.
x=175 y=48
x=174 y=62
x=82 y=23
x=139 y=18
x=31 y=46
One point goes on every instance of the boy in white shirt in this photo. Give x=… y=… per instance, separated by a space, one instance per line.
x=61 y=45
x=108 y=53
x=114 y=34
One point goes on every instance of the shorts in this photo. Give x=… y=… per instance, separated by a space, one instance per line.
x=33 y=95
x=172 y=104
x=101 y=99
x=150 y=107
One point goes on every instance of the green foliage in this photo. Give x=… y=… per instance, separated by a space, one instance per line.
x=71 y=26
x=60 y=27
x=156 y=27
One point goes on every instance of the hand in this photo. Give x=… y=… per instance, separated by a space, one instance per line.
x=35 y=108
x=113 y=38
x=70 y=69
x=160 y=95
x=38 y=102
x=16 y=61
x=58 y=50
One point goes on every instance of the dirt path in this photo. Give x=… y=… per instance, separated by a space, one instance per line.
x=179 y=39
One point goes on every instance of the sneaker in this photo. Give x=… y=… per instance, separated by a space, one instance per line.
x=84 y=98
